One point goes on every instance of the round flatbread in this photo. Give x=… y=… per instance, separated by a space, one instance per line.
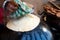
x=26 y=23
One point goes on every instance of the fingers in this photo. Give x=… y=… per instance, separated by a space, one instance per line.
x=52 y=10
x=58 y=14
x=11 y=7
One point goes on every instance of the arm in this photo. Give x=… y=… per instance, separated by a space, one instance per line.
x=10 y=5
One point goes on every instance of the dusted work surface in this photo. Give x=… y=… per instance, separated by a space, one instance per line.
x=39 y=33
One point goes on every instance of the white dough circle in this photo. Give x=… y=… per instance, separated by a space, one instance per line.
x=26 y=23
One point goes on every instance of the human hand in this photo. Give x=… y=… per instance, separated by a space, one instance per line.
x=52 y=10
x=11 y=6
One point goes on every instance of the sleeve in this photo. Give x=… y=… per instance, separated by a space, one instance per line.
x=24 y=6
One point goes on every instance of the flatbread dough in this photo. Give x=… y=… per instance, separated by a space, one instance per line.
x=26 y=23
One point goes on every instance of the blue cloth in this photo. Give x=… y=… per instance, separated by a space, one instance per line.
x=37 y=34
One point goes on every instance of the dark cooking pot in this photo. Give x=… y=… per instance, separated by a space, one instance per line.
x=41 y=32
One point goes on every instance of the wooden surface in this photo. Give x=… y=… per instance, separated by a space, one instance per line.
x=37 y=3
